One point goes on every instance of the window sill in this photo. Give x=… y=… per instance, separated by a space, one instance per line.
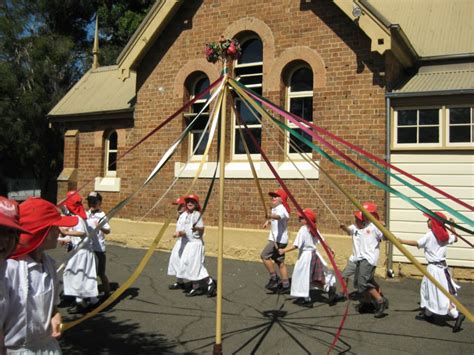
x=241 y=170
x=107 y=184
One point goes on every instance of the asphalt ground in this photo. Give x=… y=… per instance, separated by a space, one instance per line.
x=150 y=319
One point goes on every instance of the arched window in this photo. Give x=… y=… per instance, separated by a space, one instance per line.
x=196 y=84
x=300 y=103
x=249 y=71
x=110 y=153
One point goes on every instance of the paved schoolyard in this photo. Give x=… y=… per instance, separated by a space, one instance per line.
x=150 y=319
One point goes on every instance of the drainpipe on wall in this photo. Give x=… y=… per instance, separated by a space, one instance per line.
x=390 y=272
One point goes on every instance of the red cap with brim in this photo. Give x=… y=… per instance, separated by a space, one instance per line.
x=284 y=197
x=308 y=212
x=194 y=198
x=38 y=216
x=438 y=228
x=9 y=215
x=359 y=215
x=74 y=204
x=178 y=201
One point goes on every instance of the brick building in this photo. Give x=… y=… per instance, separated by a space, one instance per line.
x=348 y=66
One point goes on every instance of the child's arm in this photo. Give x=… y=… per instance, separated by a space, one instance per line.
x=56 y=321
x=413 y=243
x=453 y=231
x=287 y=249
x=345 y=228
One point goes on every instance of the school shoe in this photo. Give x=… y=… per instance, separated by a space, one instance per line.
x=307 y=304
x=380 y=309
x=176 y=286
x=212 y=288
x=195 y=292
x=284 y=290
x=385 y=300
x=458 y=323
x=77 y=309
x=272 y=284
x=332 y=298
x=365 y=307
x=299 y=300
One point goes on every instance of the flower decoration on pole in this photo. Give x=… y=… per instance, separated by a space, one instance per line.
x=226 y=50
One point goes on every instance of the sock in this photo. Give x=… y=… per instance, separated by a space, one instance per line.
x=81 y=302
x=273 y=276
x=453 y=312
x=285 y=282
x=195 y=285
x=210 y=281
x=380 y=300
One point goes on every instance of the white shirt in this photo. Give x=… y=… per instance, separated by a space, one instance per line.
x=34 y=293
x=355 y=234
x=79 y=227
x=434 y=251
x=279 y=227
x=304 y=240
x=3 y=296
x=187 y=221
x=98 y=238
x=369 y=239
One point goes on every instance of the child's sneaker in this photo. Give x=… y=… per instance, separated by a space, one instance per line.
x=284 y=290
x=379 y=312
x=212 y=288
x=272 y=283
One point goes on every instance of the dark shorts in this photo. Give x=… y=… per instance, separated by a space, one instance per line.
x=269 y=252
x=349 y=270
x=101 y=261
x=364 y=276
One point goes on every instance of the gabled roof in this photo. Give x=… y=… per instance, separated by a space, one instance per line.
x=99 y=91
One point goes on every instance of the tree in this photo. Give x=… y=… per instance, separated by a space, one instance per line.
x=45 y=47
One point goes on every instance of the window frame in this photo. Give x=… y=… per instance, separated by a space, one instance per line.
x=396 y=145
x=107 y=152
x=187 y=115
x=235 y=126
x=448 y=127
x=294 y=95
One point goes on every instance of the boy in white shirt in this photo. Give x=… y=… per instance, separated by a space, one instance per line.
x=432 y=300
x=9 y=234
x=368 y=237
x=277 y=239
x=33 y=321
x=95 y=216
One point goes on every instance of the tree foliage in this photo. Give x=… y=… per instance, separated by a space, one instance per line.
x=45 y=47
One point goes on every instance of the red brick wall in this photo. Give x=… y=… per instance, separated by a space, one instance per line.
x=348 y=101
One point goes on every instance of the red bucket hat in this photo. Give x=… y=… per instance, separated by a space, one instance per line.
x=194 y=198
x=438 y=228
x=38 y=216
x=179 y=201
x=284 y=197
x=9 y=215
x=74 y=204
x=372 y=208
x=308 y=212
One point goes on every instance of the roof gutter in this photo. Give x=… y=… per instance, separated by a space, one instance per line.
x=429 y=93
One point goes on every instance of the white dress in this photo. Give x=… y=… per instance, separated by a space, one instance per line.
x=80 y=275
x=306 y=244
x=192 y=258
x=3 y=299
x=174 y=264
x=431 y=297
x=34 y=293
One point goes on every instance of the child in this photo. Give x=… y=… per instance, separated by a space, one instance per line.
x=435 y=244
x=310 y=268
x=192 y=267
x=177 y=251
x=80 y=275
x=277 y=239
x=9 y=234
x=94 y=216
x=368 y=239
x=33 y=321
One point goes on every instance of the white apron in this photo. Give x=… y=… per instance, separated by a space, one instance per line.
x=430 y=297
x=174 y=264
x=80 y=275
x=300 y=284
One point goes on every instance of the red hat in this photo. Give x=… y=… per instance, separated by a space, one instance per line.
x=438 y=228
x=194 y=198
x=359 y=215
x=308 y=212
x=284 y=197
x=38 y=216
x=372 y=208
x=178 y=201
x=9 y=215
x=74 y=204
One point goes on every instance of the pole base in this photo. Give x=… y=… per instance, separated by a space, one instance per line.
x=217 y=349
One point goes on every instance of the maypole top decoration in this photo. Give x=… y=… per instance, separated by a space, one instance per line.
x=226 y=50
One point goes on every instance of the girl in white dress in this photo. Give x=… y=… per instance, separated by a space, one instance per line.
x=177 y=251
x=432 y=300
x=310 y=268
x=191 y=227
x=33 y=321
x=80 y=273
